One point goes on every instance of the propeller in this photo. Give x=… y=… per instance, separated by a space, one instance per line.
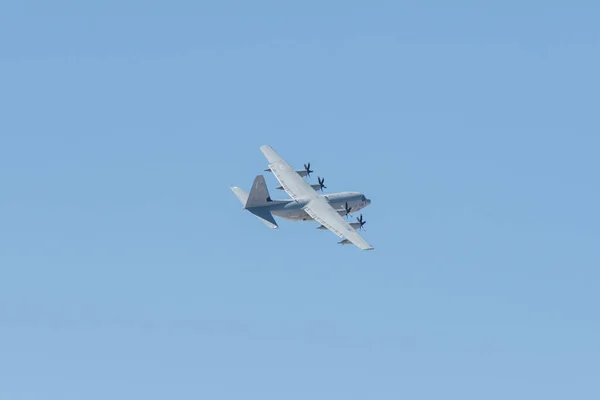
x=321 y=183
x=348 y=209
x=361 y=221
x=307 y=169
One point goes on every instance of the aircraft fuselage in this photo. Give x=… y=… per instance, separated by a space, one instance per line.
x=292 y=210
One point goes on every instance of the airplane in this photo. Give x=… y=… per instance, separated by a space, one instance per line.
x=306 y=204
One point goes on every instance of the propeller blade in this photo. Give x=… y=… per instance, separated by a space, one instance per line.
x=307 y=169
x=321 y=183
x=347 y=209
x=361 y=222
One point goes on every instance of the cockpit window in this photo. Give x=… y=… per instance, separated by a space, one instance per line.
x=363 y=198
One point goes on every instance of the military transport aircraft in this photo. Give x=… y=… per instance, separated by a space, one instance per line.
x=306 y=203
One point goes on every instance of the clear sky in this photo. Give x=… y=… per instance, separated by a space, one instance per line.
x=128 y=269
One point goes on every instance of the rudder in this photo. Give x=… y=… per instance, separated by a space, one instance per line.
x=259 y=194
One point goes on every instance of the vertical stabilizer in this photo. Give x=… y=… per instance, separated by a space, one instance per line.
x=259 y=194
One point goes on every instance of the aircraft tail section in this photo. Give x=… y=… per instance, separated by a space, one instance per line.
x=265 y=216
x=242 y=195
x=255 y=199
x=259 y=194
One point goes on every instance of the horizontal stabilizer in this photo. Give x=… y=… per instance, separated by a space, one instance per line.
x=240 y=194
x=265 y=216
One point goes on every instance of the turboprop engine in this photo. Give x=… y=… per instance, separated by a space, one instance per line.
x=317 y=186
x=355 y=225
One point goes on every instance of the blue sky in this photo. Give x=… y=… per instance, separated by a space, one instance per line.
x=129 y=270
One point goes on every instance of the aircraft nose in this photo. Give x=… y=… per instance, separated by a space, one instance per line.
x=368 y=201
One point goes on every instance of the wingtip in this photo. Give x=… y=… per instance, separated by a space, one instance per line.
x=267 y=148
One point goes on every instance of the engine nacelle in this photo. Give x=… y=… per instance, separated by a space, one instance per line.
x=301 y=172
x=315 y=186
x=355 y=225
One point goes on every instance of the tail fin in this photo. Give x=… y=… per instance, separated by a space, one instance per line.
x=259 y=194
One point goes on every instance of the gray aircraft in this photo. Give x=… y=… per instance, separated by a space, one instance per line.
x=306 y=203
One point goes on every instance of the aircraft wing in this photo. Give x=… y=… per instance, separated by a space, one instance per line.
x=320 y=210
x=292 y=183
